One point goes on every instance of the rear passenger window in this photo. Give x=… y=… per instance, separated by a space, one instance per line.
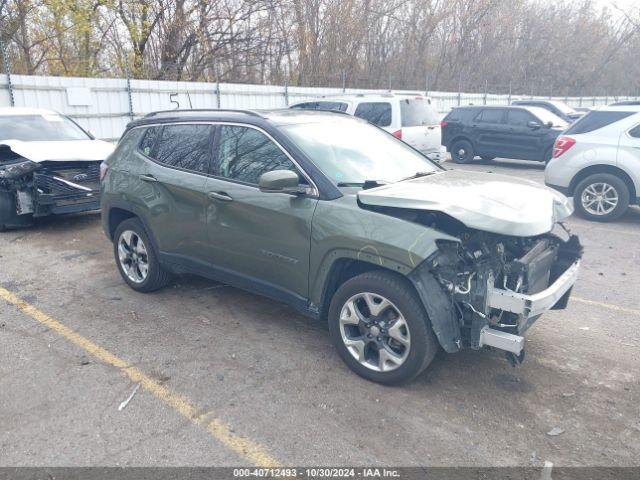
x=490 y=115
x=148 y=143
x=635 y=132
x=519 y=118
x=417 y=112
x=187 y=147
x=378 y=113
x=332 y=106
x=245 y=153
x=595 y=120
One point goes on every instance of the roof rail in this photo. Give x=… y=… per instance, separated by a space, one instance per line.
x=166 y=113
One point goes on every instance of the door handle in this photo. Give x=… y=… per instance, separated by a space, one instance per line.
x=223 y=197
x=148 y=178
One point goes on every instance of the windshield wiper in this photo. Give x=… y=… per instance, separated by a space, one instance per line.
x=418 y=175
x=365 y=185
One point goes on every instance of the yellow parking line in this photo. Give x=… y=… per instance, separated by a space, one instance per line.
x=216 y=428
x=616 y=308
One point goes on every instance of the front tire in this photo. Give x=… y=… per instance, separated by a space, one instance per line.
x=601 y=197
x=462 y=152
x=380 y=328
x=136 y=258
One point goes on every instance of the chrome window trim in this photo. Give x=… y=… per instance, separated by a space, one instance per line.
x=314 y=192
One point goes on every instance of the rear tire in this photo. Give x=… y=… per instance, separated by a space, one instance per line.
x=602 y=197
x=137 y=259
x=462 y=152
x=400 y=330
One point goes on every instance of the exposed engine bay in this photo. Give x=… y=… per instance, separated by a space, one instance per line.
x=495 y=286
x=43 y=188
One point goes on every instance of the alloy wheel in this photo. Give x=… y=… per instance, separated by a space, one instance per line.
x=599 y=198
x=133 y=256
x=375 y=332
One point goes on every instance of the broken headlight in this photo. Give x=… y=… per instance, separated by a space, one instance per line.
x=18 y=169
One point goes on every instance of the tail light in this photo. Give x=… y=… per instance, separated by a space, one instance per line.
x=562 y=145
x=103 y=170
x=443 y=124
x=397 y=134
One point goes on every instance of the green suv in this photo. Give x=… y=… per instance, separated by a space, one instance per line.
x=345 y=223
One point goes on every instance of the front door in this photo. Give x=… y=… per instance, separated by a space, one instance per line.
x=263 y=238
x=524 y=142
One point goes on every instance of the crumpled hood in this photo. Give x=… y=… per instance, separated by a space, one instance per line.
x=484 y=201
x=61 y=150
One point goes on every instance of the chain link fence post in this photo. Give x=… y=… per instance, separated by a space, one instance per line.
x=218 y=98
x=286 y=93
x=7 y=71
x=129 y=94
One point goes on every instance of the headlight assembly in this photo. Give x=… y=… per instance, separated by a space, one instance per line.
x=18 y=169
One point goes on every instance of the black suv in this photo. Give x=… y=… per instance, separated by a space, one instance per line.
x=524 y=133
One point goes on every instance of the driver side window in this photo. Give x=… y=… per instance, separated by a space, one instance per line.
x=244 y=154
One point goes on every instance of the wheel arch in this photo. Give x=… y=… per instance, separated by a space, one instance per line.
x=610 y=169
x=343 y=269
x=459 y=137
x=115 y=217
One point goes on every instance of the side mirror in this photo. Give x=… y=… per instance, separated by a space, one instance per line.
x=280 y=181
x=549 y=124
x=533 y=125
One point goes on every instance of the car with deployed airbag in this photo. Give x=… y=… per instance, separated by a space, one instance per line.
x=48 y=165
x=345 y=223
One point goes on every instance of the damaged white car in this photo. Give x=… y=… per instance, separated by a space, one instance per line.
x=48 y=165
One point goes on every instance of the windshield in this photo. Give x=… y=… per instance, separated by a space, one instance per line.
x=563 y=107
x=416 y=112
x=34 y=128
x=350 y=152
x=546 y=116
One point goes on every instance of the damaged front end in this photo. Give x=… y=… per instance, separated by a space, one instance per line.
x=46 y=187
x=487 y=289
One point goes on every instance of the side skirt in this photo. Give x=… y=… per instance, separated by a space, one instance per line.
x=182 y=264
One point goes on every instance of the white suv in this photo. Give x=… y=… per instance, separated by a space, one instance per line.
x=411 y=118
x=597 y=161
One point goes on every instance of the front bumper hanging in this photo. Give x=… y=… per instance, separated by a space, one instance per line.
x=528 y=307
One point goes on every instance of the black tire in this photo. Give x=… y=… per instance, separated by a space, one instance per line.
x=399 y=291
x=156 y=277
x=618 y=185
x=8 y=216
x=462 y=151
x=548 y=155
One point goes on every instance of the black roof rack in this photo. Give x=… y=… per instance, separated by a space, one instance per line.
x=178 y=112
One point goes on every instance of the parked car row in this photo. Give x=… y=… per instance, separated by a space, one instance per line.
x=411 y=118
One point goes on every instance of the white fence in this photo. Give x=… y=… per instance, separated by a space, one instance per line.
x=105 y=105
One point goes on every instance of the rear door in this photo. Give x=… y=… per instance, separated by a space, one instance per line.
x=263 y=238
x=490 y=132
x=171 y=185
x=629 y=153
x=420 y=124
x=523 y=141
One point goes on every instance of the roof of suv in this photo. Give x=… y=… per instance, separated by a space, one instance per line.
x=9 y=111
x=620 y=108
x=279 y=116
